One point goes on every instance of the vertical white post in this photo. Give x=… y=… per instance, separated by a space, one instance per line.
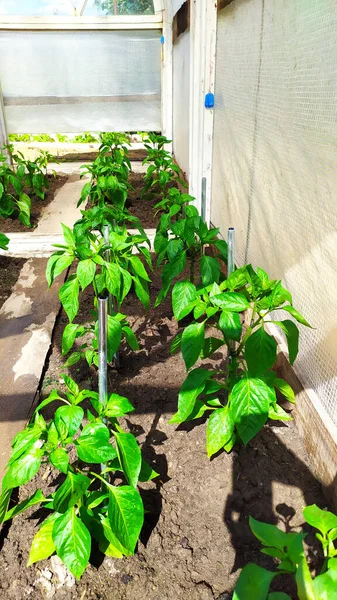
x=167 y=74
x=3 y=127
x=203 y=47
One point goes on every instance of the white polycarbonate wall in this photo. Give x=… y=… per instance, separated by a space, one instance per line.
x=70 y=81
x=274 y=161
x=181 y=100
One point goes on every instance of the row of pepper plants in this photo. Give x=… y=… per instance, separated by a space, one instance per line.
x=216 y=312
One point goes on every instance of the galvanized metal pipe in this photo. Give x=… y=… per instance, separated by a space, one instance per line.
x=111 y=308
x=102 y=354
x=231 y=249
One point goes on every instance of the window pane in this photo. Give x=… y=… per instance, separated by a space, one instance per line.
x=35 y=8
x=118 y=7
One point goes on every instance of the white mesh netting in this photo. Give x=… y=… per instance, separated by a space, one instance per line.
x=274 y=175
x=68 y=81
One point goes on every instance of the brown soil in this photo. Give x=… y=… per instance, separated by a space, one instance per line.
x=90 y=156
x=9 y=272
x=143 y=208
x=196 y=535
x=38 y=207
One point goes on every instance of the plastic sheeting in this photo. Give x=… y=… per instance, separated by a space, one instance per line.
x=72 y=81
x=181 y=100
x=274 y=165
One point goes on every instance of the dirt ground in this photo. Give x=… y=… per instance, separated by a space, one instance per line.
x=196 y=536
x=13 y=225
x=143 y=208
x=9 y=272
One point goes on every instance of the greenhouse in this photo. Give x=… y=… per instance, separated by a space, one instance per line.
x=168 y=331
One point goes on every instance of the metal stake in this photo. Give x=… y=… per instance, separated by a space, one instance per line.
x=102 y=354
x=231 y=248
x=111 y=308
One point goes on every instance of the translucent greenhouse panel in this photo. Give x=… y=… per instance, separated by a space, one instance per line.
x=274 y=176
x=118 y=7
x=181 y=100
x=37 y=8
x=69 y=81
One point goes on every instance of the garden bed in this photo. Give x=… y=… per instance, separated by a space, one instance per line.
x=196 y=535
x=37 y=208
x=9 y=273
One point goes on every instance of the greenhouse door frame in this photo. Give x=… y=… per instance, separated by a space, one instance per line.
x=202 y=81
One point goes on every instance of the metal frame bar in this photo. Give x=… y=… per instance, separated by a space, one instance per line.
x=80 y=22
x=167 y=74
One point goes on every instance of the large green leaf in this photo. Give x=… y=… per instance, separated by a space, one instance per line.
x=42 y=545
x=59 y=459
x=292 y=335
x=70 y=492
x=72 y=542
x=93 y=444
x=323 y=520
x=231 y=301
x=192 y=387
x=69 y=417
x=249 y=403
x=305 y=588
x=278 y=596
x=294 y=313
x=285 y=389
x=260 y=352
x=220 y=429
x=138 y=267
x=36 y=498
x=183 y=294
x=69 y=297
x=126 y=515
x=268 y=534
x=23 y=469
x=118 y=406
x=86 y=270
x=4 y=501
x=192 y=343
x=69 y=336
x=129 y=455
x=142 y=291
x=114 y=336
x=56 y=264
x=113 y=278
x=253 y=583
x=230 y=325
x=209 y=270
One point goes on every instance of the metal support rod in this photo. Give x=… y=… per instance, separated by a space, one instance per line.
x=102 y=354
x=203 y=198
x=111 y=307
x=231 y=249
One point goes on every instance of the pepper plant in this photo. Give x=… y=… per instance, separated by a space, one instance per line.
x=14 y=202
x=124 y=271
x=240 y=399
x=183 y=242
x=287 y=549
x=33 y=173
x=108 y=183
x=162 y=172
x=88 y=504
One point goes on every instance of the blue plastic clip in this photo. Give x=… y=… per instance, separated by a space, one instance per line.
x=209 y=100
x=162 y=40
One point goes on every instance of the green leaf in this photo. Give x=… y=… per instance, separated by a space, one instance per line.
x=4 y=501
x=325 y=585
x=142 y=291
x=126 y=515
x=305 y=588
x=4 y=241
x=73 y=359
x=183 y=294
x=278 y=596
x=70 y=492
x=294 y=313
x=85 y=191
x=69 y=336
x=36 y=498
x=59 y=459
x=249 y=404
x=276 y=413
x=93 y=444
x=113 y=278
x=268 y=534
x=129 y=455
x=220 y=429
x=69 y=297
x=146 y=472
x=292 y=335
x=42 y=545
x=320 y=519
x=114 y=336
x=138 y=267
x=86 y=270
x=118 y=406
x=23 y=469
x=130 y=337
x=253 y=583
x=231 y=301
x=192 y=387
x=72 y=542
x=285 y=389
x=230 y=325
x=72 y=387
x=192 y=343
x=209 y=270
x=260 y=352
x=211 y=345
x=56 y=264
x=69 y=417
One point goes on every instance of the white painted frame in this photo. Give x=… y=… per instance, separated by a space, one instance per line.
x=167 y=73
x=80 y=22
x=3 y=125
x=203 y=28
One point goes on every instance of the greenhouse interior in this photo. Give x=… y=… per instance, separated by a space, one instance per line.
x=168 y=333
